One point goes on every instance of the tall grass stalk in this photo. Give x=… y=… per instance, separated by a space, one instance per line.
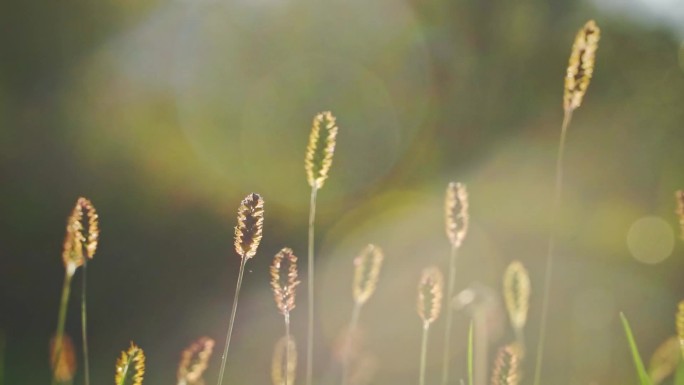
x=353 y=324
x=449 y=317
x=310 y=290
x=430 y=293
x=578 y=76
x=61 y=319
x=423 y=352
x=84 y=323
x=232 y=320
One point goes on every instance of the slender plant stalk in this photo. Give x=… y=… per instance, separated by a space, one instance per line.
x=84 y=331
x=310 y=269
x=287 y=346
x=481 y=351
x=423 y=352
x=356 y=312
x=470 y=353
x=449 y=315
x=61 y=319
x=232 y=320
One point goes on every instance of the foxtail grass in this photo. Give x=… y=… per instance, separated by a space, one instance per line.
x=516 y=284
x=366 y=273
x=64 y=366
x=248 y=233
x=194 y=362
x=317 y=163
x=578 y=76
x=679 y=197
x=130 y=366
x=456 y=218
x=284 y=363
x=77 y=249
x=507 y=366
x=430 y=293
x=679 y=323
x=284 y=288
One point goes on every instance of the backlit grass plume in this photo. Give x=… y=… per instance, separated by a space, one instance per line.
x=317 y=162
x=507 y=366
x=456 y=218
x=366 y=273
x=194 y=361
x=664 y=360
x=679 y=320
x=284 y=364
x=579 y=72
x=430 y=293
x=130 y=367
x=63 y=367
x=516 y=288
x=250 y=218
x=679 y=196
x=284 y=286
x=79 y=246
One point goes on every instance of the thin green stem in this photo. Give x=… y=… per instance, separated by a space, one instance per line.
x=470 y=353
x=61 y=318
x=287 y=347
x=423 y=353
x=310 y=330
x=84 y=331
x=449 y=315
x=356 y=312
x=481 y=347
x=550 y=254
x=232 y=320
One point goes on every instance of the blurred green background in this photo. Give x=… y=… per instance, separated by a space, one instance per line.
x=166 y=114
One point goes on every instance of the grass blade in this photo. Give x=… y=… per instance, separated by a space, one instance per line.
x=644 y=379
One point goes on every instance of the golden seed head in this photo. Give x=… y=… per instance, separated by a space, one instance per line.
x=516 y=284
x=507 y=366
x=679 y=196
x=680 y=326
x=248 y=231
x=131 y=364
x=284 y=288
x=456 y=213
x=581 y=65
x=277 y=375
x=366 y=272
x=73 y=252
x=430 y=292
x=194 y=361
x=665 y=360
x=320 y=150
x=64 y=366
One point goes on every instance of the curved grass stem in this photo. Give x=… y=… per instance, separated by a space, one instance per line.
x=61 y=319
x=310 y=329
x=232 y=320
x=423 y=353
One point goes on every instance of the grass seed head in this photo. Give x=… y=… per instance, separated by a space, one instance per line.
x=278 y=375
x=250 y=218
x=581 y=65
x=320 y=150
x=366 y=272
x=430 y=292
x=131 y=364
x=517 y=293
x=680 y=325
x=284 y=288
x=194 y=361
x=679 y=197
x=507 y=366
x=456 y=213
x=74 y=240
x=665 y=360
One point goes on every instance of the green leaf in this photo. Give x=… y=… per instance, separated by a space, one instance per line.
x=679 y=374
x=470 y=354
x=644 y=379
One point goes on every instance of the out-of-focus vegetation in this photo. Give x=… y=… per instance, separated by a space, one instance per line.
x=167 y=114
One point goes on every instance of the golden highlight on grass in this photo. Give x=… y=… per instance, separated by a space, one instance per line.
x=320 y=150
x=284 y=364
x=581 y=65
x=194 y=361
x=680 y=325
x=665 y=360
x=73 y=252
x=456 y=213
x=679 y=196
x=366 y=272
x=516 y=283
x=250 y=225
x=507 y=366
x=430 y=293
x=284 y=287
x=64 y=366
x=130 y=365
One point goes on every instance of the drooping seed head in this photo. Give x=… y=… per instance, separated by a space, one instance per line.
x=507 y=366
x=74 y=240
x=680 y=326
x=130 y=365
x=194 y=361
x=581 y=65
x=430 y=292
x=516 y=284
x=320 y=150
x=278 y=375
x=250 y=218
x=366 y=272
x=456 y=213
x=284 y=287
x=64 y=367
x=679 y=196
x=665 y=360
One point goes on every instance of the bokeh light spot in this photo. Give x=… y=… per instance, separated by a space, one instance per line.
x=650 y=240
